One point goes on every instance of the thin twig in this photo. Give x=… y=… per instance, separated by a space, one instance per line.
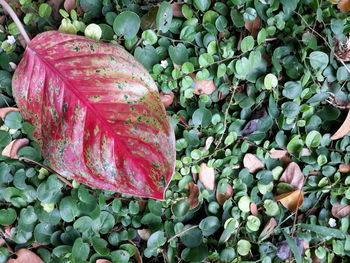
x=15 y=19
x=181 y=232
x=60 y=177
x=325 y=41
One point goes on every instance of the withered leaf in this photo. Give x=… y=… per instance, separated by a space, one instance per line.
x=103 y=261
x=268 y=229
x=221 y=198
x=144 y=233
x=254 y=209
x=207 y=176
x=250 y=127
x=177 y=12
x=193 y=196
x=282 y=155
x=252 y=163
x=340 y=211
x=14 y=146
x=344 y=168
x=293 y=176
x=254 y=26
x=284 y=251
x=343 y=130
x=292 y=200
x=202 y=86
x=25 y=256
x=344 y=5
x=166 y=98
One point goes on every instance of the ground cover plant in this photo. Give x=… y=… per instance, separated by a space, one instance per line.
x=257 y=93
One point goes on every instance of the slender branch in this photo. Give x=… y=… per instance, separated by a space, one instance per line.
x=60 y=177
x=15 y=19
x=181 y=232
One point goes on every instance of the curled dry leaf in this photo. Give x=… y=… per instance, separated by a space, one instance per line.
x=137 y=255
x=254 y=209
x=340 y=211
x=344 y=168
x=194 y=193
x=69 y=5
x=282 y=155
x=202 y=86
x=5 y=111
x=344 y=5
x=221 y=198
x=293 y=176
x=177 y=12
x=254 y=26
x=144 y=233
x=343 y=130
x=25 y=256
x=166 y=98
x=14 y=146
x=292 y=200
x=268 y=229
x=103 y=261
x=207 y=176
x=252 y=163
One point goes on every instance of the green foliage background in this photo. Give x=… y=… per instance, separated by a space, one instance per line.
x=285 y=69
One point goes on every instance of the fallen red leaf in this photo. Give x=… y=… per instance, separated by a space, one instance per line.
x=14 y=146
x=268 y=228
x=103 y=123
x=293 y=176
x=252 y=163
x=202 y=86
x=207 y=176
x=25 y=256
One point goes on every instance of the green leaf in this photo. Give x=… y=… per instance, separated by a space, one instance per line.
x=127 y=24
x=318 y=60
x=192 y=238
x=120 y=256
x=45 y=10
x=290 y=109
x=92 y=7
x=202 y=5
x=202 y=117
x=270 y=81
x=209 y=225
x=7 y=216
x=13 y=120
x=293 y=246
x=178 y=54
x=5 y=138
x=205 y=60
x=292 y=90
x=149 y=37
x=197 y=254
x=164 y=17
x=247 y=44
x=100 y=245
x=156 y=240
x=147 y=56
x=180 y=208
x=68 y=209
x=243 y=247
x=324 y=231
x=80 y=250
x=313 y=139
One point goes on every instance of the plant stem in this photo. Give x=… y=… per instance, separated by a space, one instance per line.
x=181 y=232
x=15 y=19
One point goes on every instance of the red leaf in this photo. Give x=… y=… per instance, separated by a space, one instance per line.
x=100 y=119
x=207 y=176
x=14 y=146
x=221 y=198
x=25 y=256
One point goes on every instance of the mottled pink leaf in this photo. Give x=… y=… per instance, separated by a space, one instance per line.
x=14 y=146
x=207 y=176
x=97 y=114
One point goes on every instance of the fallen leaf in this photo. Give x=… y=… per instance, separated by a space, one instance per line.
x=282 y=155
x=250 y=127
x=202 y=86
x=344 y=5
x=293 y=176
x=103 y=261
x=343 y=130
x=4 y=111
x=207 y=176
x=254 y=209
x=166 y=98
x=254 y=26
x=252 y=163
x=25 y=256
x=55 y=4
x=12 y=149
x=340 y=211
x=194 y=193
x=292 y=200
x=177 y=12
x=144 y=233
x=344 y=167
x=221 y=198
x=69 y=5
x=268 y=229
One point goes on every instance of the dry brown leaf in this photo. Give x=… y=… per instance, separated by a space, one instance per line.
x=14 y=146
x=207 y=176
x=293 y=176
x=254 y=209
x=344 y=5
x=268 y=229
x=69 y=5
x=144 y=233
x=344 y=167
x=202 y=86
x=103 y=261
x=194 y=193
x=292 y=200
x=166 y=98
x=254 y=26
x=177 y=12
x=25 y=256
x=5 y=111
x=282 y=155
x=340 y=211
x=221 y=198
x=137 y=255
x=252 y=163
x=343 y=130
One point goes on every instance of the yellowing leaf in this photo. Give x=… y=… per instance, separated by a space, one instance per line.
x=293 y=176
x=252 y=163
x=340 y=211
x=344 y=5
x=14 y=146
x=292 y=200
x=343 y=130
x=207 y=176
